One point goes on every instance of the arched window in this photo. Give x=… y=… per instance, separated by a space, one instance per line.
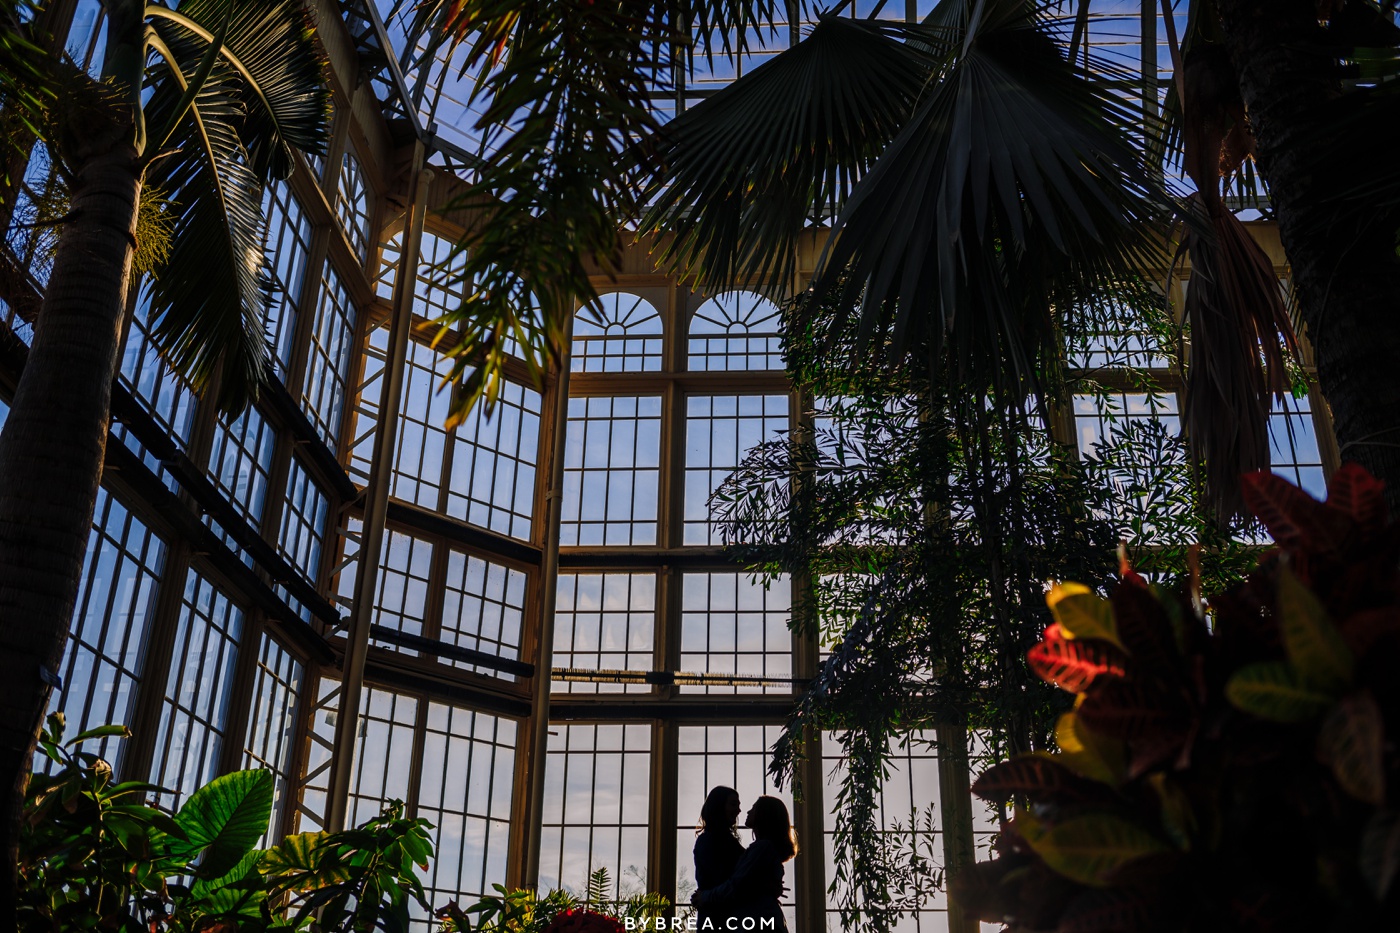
x=735 y=331
x=627 y=338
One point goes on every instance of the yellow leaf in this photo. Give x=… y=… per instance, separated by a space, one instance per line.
x=1087 y=753
x=1090 y=848
x=1082 y=614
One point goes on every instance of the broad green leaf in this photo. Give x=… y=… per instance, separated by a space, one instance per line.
x=1314 y=645
x=1089 y=849
x=1352 y=743
x=238 y=892
x=1272 y=690
x=224 y=819
x=1082 y=613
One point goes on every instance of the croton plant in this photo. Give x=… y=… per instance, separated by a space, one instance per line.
x=1229 y=763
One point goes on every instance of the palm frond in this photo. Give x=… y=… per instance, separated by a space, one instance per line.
x=207 y=304
x=747 y=169
x=1236 y=310
x=283 y=89
x=1013 y=183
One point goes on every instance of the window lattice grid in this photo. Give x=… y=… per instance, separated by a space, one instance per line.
x=731 y=624
x=597 y=797
x=288 y=251
x=720 y=430
x=907 y=810
x=727 y=756
x=195 y=711
x=605 y=621
x=164 y=395
x=240 y=461
x=422 y=441
x=328 y=365
x=1096 y=418
x=384 y=750
x=626 y=340
x=465 y=792
x=483 y=609
x=401 y=593
x=1293 y=447
x=352 y=205
x=1115 y=335
x=103 y=661
x=304 y=511
x=612 y=460
x=272 y=713
x=736 y=331
x=492 y=483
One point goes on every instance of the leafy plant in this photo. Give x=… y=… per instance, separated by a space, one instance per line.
x=523 y=911
x=96 y=855
x=1226 y=768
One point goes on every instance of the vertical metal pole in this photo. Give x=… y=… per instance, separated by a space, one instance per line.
x=376 y=504
x=549 y=593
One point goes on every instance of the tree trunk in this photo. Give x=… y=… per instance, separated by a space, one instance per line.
x=51 y=459
x=1346 y=274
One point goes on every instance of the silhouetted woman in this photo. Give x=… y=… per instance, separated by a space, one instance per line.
x=717 y=849
x=755 y=888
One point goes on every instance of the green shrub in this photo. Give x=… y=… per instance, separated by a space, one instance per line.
x=1234 y=770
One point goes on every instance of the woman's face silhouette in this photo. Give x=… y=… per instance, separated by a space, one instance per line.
x=732 y=809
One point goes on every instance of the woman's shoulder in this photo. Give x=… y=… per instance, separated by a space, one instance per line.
x=717 y=840
x=765 y=848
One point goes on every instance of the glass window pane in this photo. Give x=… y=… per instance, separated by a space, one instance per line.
x=736 y=331
x=604 y=622
x=597 y=802
x=626 y=339
x=611 y=471
x=198 y=690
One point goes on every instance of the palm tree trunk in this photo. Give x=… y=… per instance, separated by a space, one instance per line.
x=51 y=461
x=1346 y=275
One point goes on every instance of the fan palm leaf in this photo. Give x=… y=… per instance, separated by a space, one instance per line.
x=748 y=168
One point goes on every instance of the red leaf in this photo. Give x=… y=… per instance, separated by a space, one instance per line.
x=1358 y=494
x=1073 y=664
x=1127 y=710
x=1107 y=912
x=1143 y=625
x=1035 y=777
x=1294 y=518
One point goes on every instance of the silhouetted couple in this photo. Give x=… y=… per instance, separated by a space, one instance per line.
x=738 y=888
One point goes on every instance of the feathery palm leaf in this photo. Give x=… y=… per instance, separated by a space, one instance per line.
x=262 y=97
x=207 y=304
x=747 y=168
x=25 y=83
x=271 y=47
x=566 y=131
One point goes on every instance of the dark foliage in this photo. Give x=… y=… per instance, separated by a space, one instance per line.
x=1228 y=770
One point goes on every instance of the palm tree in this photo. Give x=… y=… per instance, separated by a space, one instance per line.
x=1011 y=187
x=203 y=103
